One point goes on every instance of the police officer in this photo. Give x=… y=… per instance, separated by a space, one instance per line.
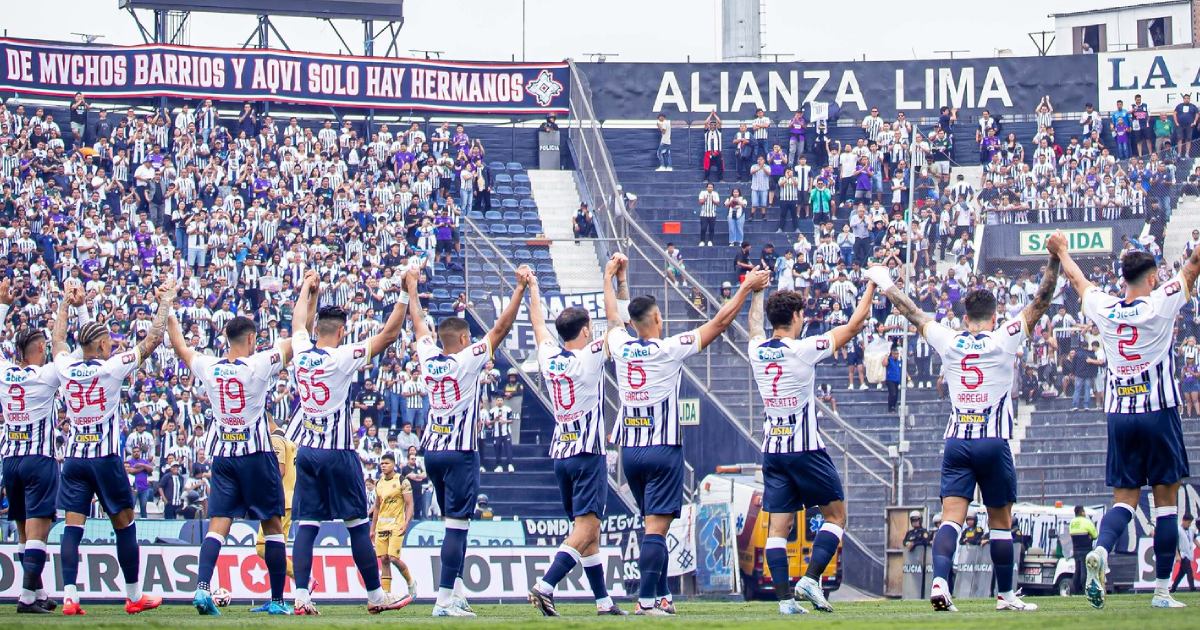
x=1083 y=532
x=917 y=535
x=972 y=533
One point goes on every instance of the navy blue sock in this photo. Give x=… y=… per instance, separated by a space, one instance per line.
x=564 y=561
x=1166 y=541
x=824 y=548
x=32 y=563
x=651 y=565
x=945 y=541
x=593 y=567
x=210 y=550
x=663 y=590
x=275 y=557
x=128 y=555
x=777 y=561
x=1003 y=558
x=70 y=554
x=363 y=551
x=454 y=547
x=1113 y=525
x=302 y=553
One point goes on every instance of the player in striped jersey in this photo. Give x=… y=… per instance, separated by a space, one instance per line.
x=245 y=472
x=27 y=392
x=329 y=480
x=574 y=376
x=1145 y=438
x=451 y=437
x=980 y=367
x=649 y=371
x=93 y=466
x=797 y=471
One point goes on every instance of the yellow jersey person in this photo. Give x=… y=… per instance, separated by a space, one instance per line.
x=285 y=452
x=393 y=511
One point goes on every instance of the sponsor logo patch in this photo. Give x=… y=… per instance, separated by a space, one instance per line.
x=1014 y=328
x=479 y=349
x=1172 y=288
x=319 y=425
x=87 y=438
x=639 y=422
x=1133 y=390
x=822 y=344
x=19 y=436
x=781 y=431
x=235 y=436
x=687 y=339
x=127 y=359
x=569 y=437
x=597 y=346
x=443 y=429
x=971 y=418
x=359 y=353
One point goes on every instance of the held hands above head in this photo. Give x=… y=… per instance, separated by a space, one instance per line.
x=311 y=281
x=7 y=294
x=1057 y=244
x=74 y=296
x=616 y=265
x=758 y=279
x=165 y=292
x=880 y=276
x=524 y=275
x=411 y=276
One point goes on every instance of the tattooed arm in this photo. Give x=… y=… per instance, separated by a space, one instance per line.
x=1034 y=311
x=614 y=269
x=756 y=327
x=908 y=308
x=58 y=338
x=158 y=328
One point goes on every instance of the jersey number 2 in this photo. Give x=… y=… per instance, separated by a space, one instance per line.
x=1126 y=343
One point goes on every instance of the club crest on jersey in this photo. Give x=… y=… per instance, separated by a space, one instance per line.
x=478 y=350
x=597 y=346
x=127 y=359
x=687 y=339
x=1014 y=328
x=1133 y=390
x=1172 y=288
x=359 y=353
x=822 y=344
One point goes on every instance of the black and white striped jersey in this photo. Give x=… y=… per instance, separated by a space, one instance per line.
x=785 y=371
x=237 y=391
x=30 y=415
x=649 y=372
x=323 y=377
x=92 y=393
x=452 y=382
x=575 y=382
x=980 y=370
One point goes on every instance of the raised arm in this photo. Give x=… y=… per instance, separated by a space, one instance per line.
x=165 y=294
x=509 y=315
x=1073 y=273
x=304 y=303
x=844 y=333
x=615 y=268
x=756 y=327
x=179 y=344
x=1191 y=270
x=420 y=330
x=537 y=318
x=1040 y=303
x=390 y=332
x=58 y=338
x=879 y=275
x=756 y=280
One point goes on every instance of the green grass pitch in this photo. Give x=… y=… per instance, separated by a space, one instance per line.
x=1123 y=611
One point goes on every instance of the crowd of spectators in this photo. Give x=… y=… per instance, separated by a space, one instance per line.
x=237 y=207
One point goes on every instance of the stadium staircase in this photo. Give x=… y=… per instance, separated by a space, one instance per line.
x=1184 y=219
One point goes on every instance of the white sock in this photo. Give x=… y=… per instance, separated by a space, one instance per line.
x=1009 y=596
x=27 y=597
x=670 y=598
x=460 y=589
x=41 y=594
x=133 y=591
x=444 y=595
x=604 y=603
x=1103 y=552
x=646 y=602
x=1162 y=586
x=302 y=595
x=543 y=587
x=70 y=593
x=20 y=547
x=941 y=583
x=376 y=596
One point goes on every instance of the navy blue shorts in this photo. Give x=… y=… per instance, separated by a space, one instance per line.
x=102 y=477
x=329 y=486
x=583 y=481
x=655 y=475
x=794 y=481
x=455 y=477
x=248 y=485
x=31 y=485
x=987 y=462
x=1145 y=449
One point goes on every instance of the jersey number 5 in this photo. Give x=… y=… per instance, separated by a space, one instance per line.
x=972 y=369
x=1126 y=343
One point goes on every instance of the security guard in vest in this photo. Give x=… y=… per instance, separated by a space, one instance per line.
x=1083 y=532
x=972 y=533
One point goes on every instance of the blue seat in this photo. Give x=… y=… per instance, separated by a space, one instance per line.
x=502 y=178
x=521 y=255
x=457 y=281
x=533 y=228
x=437 y=281
x=475 y=215
x=503 y=190
x=530 y=215
x=441 y=294
x=552 y=293
x=474 y=267
x=520 y=178
x=506 y=252
x=493 y=215
x=439 y=267
x=544 y=268
x=529 y=204
x=499 y=229
x=512 y=215
x=549 y=283
x=510 y=203
x=516 y=230
x=495 y=202
x=523 y=190
x=514 y=166
x=541 y=254
x=478 y=295
x=497 y=166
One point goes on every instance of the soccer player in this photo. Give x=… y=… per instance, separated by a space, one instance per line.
x=574 y=376
x=285 y=453
x=451 y=435
x=393 y=513
x=91 y=389
x=329 y=480
x=245 y=471
x=1145 y=439
x=797 y=471
x=27 y=392
x=648 y=370
x=980 y=366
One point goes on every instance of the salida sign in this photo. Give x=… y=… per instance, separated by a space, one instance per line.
x=170 y=572
x=1079 y=241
